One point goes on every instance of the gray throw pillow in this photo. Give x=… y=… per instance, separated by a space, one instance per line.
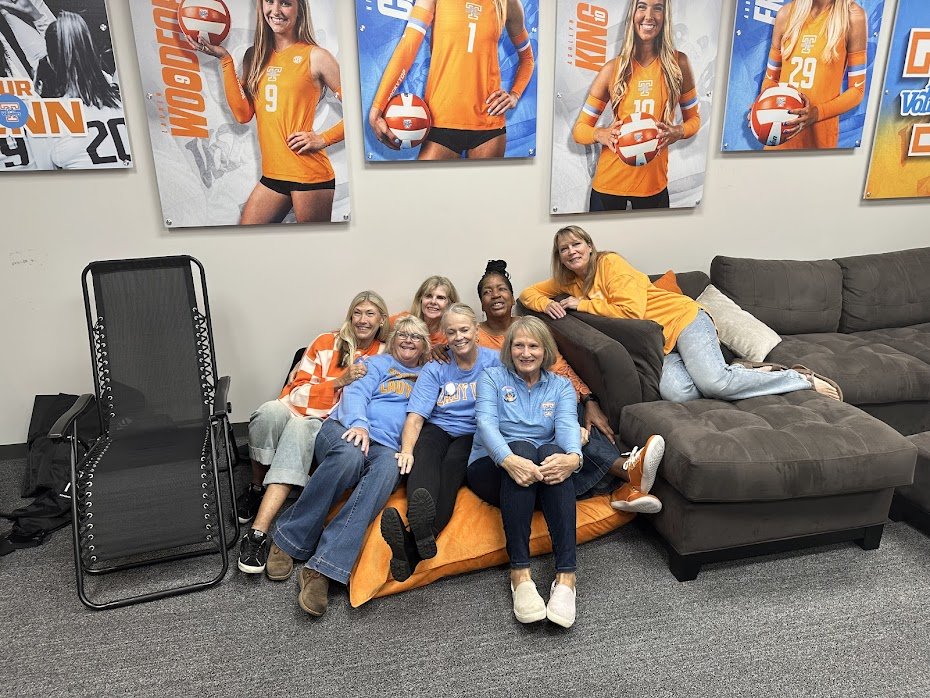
x=746 y=336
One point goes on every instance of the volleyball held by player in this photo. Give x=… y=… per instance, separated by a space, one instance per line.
x=815 y=43
x=464 y=93
x=284 y=76
x=647 y=76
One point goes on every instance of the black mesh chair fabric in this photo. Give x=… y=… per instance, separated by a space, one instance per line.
x=148 y=487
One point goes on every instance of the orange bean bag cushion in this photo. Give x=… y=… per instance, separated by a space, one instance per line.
x=472 y=540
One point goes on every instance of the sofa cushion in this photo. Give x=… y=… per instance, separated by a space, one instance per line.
x=885 y=290
x=746 y=336
x=791 y=297
x=690 y=283
x=868 y=372
x=913 y=340
x=919 y=492
x=768 y=448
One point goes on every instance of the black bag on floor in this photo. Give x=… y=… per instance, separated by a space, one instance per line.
x=48 y=474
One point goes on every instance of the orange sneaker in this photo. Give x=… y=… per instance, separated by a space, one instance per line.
x=643 y=463
x=628 y=498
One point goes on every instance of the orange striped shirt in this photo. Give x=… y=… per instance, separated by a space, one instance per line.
x=311 y=390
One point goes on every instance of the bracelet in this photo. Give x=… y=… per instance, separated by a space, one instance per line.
x=590 y=397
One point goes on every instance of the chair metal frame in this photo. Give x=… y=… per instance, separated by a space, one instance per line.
x=218 y=427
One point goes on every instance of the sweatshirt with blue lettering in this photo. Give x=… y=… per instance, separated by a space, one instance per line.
x=378 y=400
x=508 y=410
x=445 y=394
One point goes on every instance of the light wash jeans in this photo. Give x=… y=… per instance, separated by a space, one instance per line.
x=284 y=442
x=696 y=369
x=299 y=531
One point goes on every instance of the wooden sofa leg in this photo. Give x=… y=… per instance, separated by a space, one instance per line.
x=872 y=538
x=683 y=567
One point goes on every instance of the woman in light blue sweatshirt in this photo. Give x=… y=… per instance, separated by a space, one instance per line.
x=527 y=446
x=356 y=447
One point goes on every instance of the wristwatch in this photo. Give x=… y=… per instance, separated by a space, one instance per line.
x=590 y=397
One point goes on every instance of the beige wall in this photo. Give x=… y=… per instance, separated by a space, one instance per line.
x=273 y=289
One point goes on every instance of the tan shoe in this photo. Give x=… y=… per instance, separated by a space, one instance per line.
x=631 y=499
x=279 y=565
x=314 y=592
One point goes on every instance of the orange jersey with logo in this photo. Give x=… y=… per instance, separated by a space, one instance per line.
x=464 y=69
x=645 y=93
x=286 y=102
x=807 y=71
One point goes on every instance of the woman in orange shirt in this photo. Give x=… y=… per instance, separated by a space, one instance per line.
x=648 y=76
x=434 y=295
x=463 y=91
x=604 y=283
x=284 y=76
x=814 y=43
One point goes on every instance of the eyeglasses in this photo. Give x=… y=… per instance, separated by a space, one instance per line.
x=410 y=336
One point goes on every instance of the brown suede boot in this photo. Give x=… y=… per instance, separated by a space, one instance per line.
x=279 y=565
x=314 y=592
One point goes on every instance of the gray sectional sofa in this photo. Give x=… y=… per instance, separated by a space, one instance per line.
x=779 y=472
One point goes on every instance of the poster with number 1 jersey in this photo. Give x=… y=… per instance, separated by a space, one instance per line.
x=60 y=102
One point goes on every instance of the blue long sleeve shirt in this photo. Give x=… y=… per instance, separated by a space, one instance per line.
x=378 y=400
x=445 y=394
x=508 y=410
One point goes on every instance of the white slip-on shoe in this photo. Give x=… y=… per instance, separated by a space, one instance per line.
x=561 y=607
x=528 y=605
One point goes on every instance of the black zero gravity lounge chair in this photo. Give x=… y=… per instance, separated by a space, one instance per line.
x=148 y=490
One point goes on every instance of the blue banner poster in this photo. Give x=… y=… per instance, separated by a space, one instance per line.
x=900 y=164
x=444 y=80
x=810 y=88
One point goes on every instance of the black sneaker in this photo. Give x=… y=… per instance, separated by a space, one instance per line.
x=421 y=514
x=248 y=503
x=253 y=552
x=394 y=534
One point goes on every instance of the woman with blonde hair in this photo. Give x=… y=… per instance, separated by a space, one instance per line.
x=357 y=448
x=815 y=43
x=647 y=76
x=463 y=90
x=526 y=448
x=605 y=284
x=434 y=295
x=284 y=76
x=436 y=442
x=282 y=432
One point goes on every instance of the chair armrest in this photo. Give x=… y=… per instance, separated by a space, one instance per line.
x=602 y=363
x=643 y=340
x=221 y=406
x=61 y=427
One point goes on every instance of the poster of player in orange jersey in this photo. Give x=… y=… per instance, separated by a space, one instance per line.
x=60 y=102
x=806 y=65
x=244 y=110
x=900 y=164
x=448 y=79
x=633 y=87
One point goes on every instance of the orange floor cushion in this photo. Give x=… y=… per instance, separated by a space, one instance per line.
x=473 y=540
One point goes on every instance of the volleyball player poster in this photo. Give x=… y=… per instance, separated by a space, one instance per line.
x=60 y=101
x=807 y=66
x=900 y=165
x=234 y=146
x=448 y=80
x=633 y=88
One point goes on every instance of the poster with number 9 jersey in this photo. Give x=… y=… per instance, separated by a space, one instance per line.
x=244 y=107
x=60 y=102
x=800 y=75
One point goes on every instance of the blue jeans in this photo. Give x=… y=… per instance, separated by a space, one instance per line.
x=299 y=531
x=696 y=369
x=517 y=503
x=598 y=455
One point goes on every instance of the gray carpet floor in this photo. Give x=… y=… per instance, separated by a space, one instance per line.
x=833 y=621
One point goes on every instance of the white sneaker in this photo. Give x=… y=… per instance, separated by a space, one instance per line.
x=561 y=607
x=528 y=605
